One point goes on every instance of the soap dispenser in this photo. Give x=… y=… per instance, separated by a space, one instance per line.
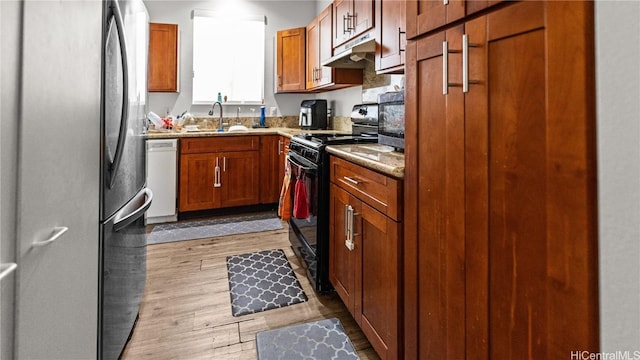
x=262 y=117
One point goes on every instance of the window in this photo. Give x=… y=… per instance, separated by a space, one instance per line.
x=228 y=57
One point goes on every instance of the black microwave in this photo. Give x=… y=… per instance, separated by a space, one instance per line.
x=391 y=119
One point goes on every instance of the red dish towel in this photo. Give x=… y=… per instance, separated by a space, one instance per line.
x=300 y=202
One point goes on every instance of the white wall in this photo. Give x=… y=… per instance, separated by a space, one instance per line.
x=280 y=15
x=618 y=127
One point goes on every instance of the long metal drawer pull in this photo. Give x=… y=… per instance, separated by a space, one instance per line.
x=349 y=241
x=57 y=232
x=216 y=174
x=352 y=180
x=224 y=164
x=279 y=147
x=465 y=64
x=445 y=68
x=7 y=269
x=346 y=223
x=400 y=32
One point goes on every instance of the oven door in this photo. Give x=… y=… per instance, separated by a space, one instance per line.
x=303 y=230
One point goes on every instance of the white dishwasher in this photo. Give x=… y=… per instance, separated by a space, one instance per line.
x=161 y=179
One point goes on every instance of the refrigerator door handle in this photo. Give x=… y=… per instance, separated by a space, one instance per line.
x=7 y=269
x=117 y=157
x=58 y=231
x=121 y=221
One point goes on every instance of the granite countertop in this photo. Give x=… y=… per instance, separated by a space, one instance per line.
x=284 y=131
x=376 y=157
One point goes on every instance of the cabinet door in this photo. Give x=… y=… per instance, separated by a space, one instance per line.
x=197 y=180
x=540 y=182
x=362 y=17
x=270 y=176
x=163 y=57
x=342 y=13
x=437 y=140
x=343 y=262
x=325 y=49
x=378 y=309
x=240 y=175
x=426 y=15
x=290 y=60
x=390 y=28
x=313 y=46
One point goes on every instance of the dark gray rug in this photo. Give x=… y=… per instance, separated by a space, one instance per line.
x=324 y=339
x=200 y=229
x=262 y=281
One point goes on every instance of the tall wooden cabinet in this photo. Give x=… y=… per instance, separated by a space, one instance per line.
x=365 y=251
x=500 y=247
x=163 y=58
x=290 y=60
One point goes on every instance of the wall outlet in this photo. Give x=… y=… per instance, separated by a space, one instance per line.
x=273 y=111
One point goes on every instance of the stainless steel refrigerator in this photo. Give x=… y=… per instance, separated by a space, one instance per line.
x=123 y=193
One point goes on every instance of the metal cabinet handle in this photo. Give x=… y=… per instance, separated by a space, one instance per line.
x=349 y=240
x=352 y=180
x=445 y=67
x=465 y=64
x=400 y=32
x=346 y=223
x=279 y=147
x=216 y=174
x=345 y=27
x=57 y=232
x=224 y=164
x=7 y=269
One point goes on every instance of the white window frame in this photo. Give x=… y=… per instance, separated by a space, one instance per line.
x=227 y=62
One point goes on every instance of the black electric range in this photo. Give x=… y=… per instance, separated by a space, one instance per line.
x=309 y=187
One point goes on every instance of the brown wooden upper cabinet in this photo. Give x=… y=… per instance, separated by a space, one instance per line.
x=163 y=58
x=390 y=36
x=290 y=60
x=319 y=48
x=427 y=15
x=350 y=19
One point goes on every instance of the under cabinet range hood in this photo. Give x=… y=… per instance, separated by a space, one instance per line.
x=351 y=54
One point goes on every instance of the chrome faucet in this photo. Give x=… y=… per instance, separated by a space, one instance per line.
x=211 y=113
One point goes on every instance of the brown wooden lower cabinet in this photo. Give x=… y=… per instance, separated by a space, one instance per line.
x=270 y=177
x=500 y=247
x=365 y=254
x=218 y=172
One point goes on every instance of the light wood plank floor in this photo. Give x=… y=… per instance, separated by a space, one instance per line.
x=186 y=309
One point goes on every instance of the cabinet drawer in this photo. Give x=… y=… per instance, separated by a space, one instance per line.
x=219 y=143
x=381 y=192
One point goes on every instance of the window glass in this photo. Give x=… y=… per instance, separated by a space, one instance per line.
x=228 y=57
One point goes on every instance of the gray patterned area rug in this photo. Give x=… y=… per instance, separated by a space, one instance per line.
x=200 y=229
x=262 y=281
x=324 y=339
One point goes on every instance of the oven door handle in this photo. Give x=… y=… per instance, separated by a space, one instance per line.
x=300 y=166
